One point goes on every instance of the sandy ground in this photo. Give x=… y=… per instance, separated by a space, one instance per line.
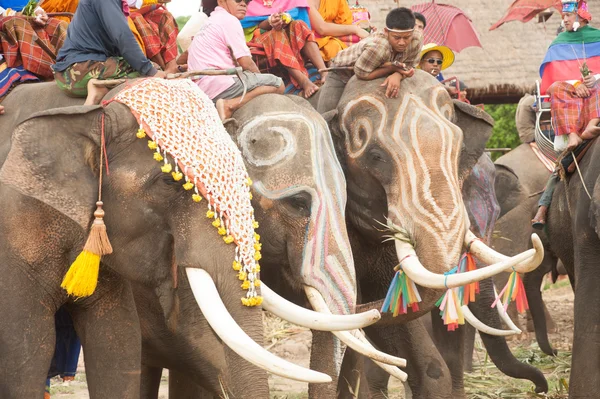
x=293 y=343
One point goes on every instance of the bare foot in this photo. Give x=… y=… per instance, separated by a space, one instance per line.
x=223 y=109
x=95 y=93
x=539 y=220
x=323 y=77
x=309 y=88
x=574 y=141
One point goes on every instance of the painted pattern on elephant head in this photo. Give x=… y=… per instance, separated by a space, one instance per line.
x=411 y=147
x=296 y=174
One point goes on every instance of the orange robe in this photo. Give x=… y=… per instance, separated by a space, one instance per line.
x=51 y=6
x=337 y=12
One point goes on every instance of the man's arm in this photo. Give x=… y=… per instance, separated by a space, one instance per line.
x=248 y=64
x=372 y=63
x=115 y=24
x=324 y=28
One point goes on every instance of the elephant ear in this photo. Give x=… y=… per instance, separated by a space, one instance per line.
x=476 y=125
x=54 y=159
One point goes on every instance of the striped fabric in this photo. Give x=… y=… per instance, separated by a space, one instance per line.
x=10 y=77
x=547 y=162
x=158 y=30
x=571 y=114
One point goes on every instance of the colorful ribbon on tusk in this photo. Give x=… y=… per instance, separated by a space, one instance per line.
x=401 y=295
x=514 y=290
x=466 y=293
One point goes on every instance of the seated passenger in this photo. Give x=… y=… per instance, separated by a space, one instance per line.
x=220 y=44
x=288 y=43
x=99 y=46
x=420 y=22
x=331 y=20
x=575 y=104
x=434 y=59
x=392 y=54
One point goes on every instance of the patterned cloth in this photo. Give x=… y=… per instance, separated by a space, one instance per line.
x=372 y=52
x=20 y=38
x=74 y=79
x=283 y=47
x=336 y=12
x=190 y=132
x=158 y=30
x=571 y=114
x=10 y=77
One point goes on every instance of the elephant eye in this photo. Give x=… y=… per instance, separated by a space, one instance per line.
x=299 y=204
x=377 y=155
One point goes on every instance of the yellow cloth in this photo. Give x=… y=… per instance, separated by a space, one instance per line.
x=337 y=12
x=71 y=5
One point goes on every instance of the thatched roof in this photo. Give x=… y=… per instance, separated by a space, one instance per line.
x=507 y=66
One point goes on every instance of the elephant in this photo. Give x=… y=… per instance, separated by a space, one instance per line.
x=48 y=187
x=520 y=180
x=405 y=160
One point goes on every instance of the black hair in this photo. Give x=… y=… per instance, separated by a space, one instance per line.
x=400 y=18
x=421 y=18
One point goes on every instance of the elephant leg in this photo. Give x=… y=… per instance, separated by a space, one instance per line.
x=352 y=382
x=150 y=382
x=451 y=347
x=182 y=387
x=108 y=327
x=27 y=340
x=532 y=282
x=428 y=375
x=469 y=347
x=585 y=374
x=497 y=347
x=324 y=355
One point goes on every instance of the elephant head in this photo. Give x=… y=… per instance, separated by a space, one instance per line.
x=405 y=161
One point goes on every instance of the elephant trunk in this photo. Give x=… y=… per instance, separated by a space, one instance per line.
x=532 y=282
x=497 y=347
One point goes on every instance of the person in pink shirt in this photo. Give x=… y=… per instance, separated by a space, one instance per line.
x=220 y=44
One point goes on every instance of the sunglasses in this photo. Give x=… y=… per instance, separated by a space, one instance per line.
x=434 y=61
x=245 y=1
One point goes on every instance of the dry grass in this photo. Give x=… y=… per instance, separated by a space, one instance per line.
x=277 y=330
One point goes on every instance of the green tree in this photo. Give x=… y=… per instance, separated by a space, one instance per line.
x=182 y=21
x=505 y=133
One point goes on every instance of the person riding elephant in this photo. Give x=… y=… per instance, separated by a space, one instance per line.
x=157 y=232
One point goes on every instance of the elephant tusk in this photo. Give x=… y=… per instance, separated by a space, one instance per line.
x=484 y=328
x=420 y=275
x=318 y=303
x=234 y=337
x=505 y=317
x=489 y=256
x=300 y=316
x=393 y=371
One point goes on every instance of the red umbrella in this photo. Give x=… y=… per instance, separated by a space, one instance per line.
x=525 y=10
x=448 y=25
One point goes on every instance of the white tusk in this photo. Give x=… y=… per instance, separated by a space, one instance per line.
x=487 y=255
x=504 y=315
x=484 y=328
x=393 y=371
x=234 y=337
x=298 y=315
x=423 y=277
x=318 y=304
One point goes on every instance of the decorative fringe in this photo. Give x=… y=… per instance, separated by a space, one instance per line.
x=450 y=310
x=466 y=294
x=513 y=291
x=82 y=277
x=401 y=294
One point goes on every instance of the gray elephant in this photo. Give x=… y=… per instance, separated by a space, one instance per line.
x=405 y=161
x=49 y=186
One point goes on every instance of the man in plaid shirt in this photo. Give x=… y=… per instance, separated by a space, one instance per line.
x=391 y=54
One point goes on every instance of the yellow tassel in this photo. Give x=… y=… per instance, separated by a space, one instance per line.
x=196 y=197
x=177 y=176
x=237 y=266
x=245 y=285
x=255 y=224
x=256 y=237
x=228 y=239
x=250 y=195
x=245 y=302
x=188 y=186
x=257 y=247
x=158 y=157
x=222 y=231
x=82 y=277
x=256 y=268
x=152 y=145
x=248 y=181
x=166 y=168
x=257 y=283
x=140 y=134
x=242 y=275
x=216 y=223
x=210 y=214
x=257 y=256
